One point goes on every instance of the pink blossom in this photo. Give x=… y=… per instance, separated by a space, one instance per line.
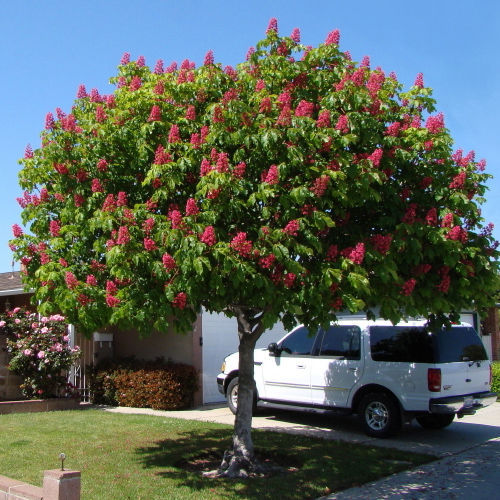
x=447 y=220
x=208 y=236
x=332 y=253
x=304 y=109
x=121 y=199
x=28 y=152
x=241 y=244
x=267 y=262
x=333 y=37
x=239 y=170
x=292 y=228
x=191 y=207
x=209 y=58
x=285 y=117
x=102 y=165
x=410 y=215
x=173 y=135
x=205 y=130
x=148 y=226
x=431 y=217
x=27 y=352
x=356 y=254
x=168 y=261
x=111 y=287
x=295 y=36
x=320 y=185
x=96 y=186
x=141 y=61
x=155 y=114
x=112 y=301
x=125 y=59
x=172 y=67
x=109 y=204
x=250 y=51
x=260 y=85
x=175 y=218
x=419 y=81
x=324 y=119
x=205 y=167
x=376 y=157
x=135 y=83
x=458 y=181
x=272 y=27
x=289 y=280
x=180 y=300
x=54 y=228
x=161 y=156
x=195 y=140
x=49 y=121
x=435 y=124
x=408 y=286
x=393 y=129
x=272 y=176
x=70 y=279
x=218 y=117
x=149 y=244
x=123 y=236
x=17 y=231
x=191 y=113
x=100 y=114
x=342 y=124
x=222 y=163
x=458 y=234
x=91 y=280
x=381 y=243
x=158 y=67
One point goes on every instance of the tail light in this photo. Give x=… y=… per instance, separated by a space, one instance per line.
x=434 y=379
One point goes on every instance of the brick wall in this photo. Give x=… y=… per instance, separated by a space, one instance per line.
x=491 y=326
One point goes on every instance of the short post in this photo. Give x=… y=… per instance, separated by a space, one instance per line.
x=61 y=484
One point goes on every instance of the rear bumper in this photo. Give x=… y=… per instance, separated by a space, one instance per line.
x=467 y=404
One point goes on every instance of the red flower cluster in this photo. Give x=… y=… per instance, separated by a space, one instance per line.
x=304 y=109
x=393 y=129
x=162 y=156
x=444 y=285
x=421 y=269
x=208 y=236
x=180 y=300
x=70 y=279
x=376 y=157
x=149 y=244
x=175 y=218
x=411 y=214
x=355 y=254
x=342 y=124
x=17 y=231
x=218 y=117
x=191 y=207
x=96 y=186
x=292 y=228
x=435 y=124
x=324 y=119
x=155 y=114
x=272 y=175
x=100 y=114
x=333 y=38
x=447 y=220
x=123 y=236
x=431 y=217
x=289 y=280
x=54 y=228
x=241 y=244
x=408 y=287
x=267 y=262
x=91 y=280
x=239 y=170
x=222 y=163
x=109 y=204
x=458 y=234
x=102 y=165
x=168 y=261
x=381 y=243
x=191 y=113
x=121 y=199
x=173 y=135
x=135 y=83
x=266 y=105
x=112 y=301
x=320 y=185
x=458 y=181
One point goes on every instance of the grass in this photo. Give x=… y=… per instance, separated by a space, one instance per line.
x=137 y=457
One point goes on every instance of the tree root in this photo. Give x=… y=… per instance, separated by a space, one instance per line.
x=241 y=467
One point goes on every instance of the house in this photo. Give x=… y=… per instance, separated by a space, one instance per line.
x=213 y=337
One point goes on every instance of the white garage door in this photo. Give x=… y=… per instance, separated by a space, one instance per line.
x=220 y=338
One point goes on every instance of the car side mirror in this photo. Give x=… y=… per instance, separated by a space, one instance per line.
x=273 y=349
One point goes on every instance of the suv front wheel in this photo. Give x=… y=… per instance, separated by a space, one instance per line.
x=379 y=414
x=232 y=397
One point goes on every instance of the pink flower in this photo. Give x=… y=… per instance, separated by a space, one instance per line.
x=102 y=165
x=180 y=300
x=292 y=228
x=222 y=163
x=123 y=236
x=410 y=215
x=320 y=185
x=435 y=124
x=155 y=114
x=49 y=121
x=272 y=176
x=285 y=117
x=109 y=204
x=289 y=280
x=125 y=59
x=419 y=81
x=356 y=254
x=267 y=262
x=112 y=301
x=239 y=170
x=158 y=67
x=175 y=218
x=208 y=236
x=96 y=186
x=27 y=352
x=342 y=124
x=111 y=287
x=191 y=113
x=250 y=51
x=149 y=244
x=241 y=244
x=260 y=85
x=141 y=61
x=159 y=88
x=168 y=261
x=447 y=220
x=205 y=167
x=100 y=114
x=265 y=105
x=191 y=207
x=28 y=152
x=148 y=226
x=91 y=280
x=121 y=199
x=376 y=157
x=209 y=58
x=324 y=119
x=304 y=108
x=393 y=129
x=218 y=117
x=54 y=228
x=381 y=243
x=458 y=234
x=162 y=156
x=70 y=279
x=458 y=181
x=17 y=231
x=332 y=253
x=431 y=217
x=172 y=67
x=295 y=36
x=408 y=286
x=135 y=83
x=333 y=37
x=272 y=27
x=173 y=135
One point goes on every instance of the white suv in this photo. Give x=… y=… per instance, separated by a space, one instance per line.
x=386 y=374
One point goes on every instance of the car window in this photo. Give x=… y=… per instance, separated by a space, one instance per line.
x=299 y=343
x=418 y=345
x=342 y=341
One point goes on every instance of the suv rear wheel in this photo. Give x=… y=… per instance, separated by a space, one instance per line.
x=379 y=414
x=435 y=421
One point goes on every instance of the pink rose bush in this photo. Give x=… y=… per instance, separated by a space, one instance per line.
x=40 y=352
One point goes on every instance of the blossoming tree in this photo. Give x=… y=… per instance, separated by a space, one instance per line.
x=286 y=189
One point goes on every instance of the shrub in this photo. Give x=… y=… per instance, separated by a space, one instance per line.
x=40 y=352
x=157 y=384
x=495 y=383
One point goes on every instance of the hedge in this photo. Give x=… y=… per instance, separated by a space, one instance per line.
x=157 y=384
x=495 y=383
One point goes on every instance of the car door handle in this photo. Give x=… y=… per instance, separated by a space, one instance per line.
x=353 y=369
x=301 y=367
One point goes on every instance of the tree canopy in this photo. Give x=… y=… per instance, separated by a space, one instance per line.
x=295 y=187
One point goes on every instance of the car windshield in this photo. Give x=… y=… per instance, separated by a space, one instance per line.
x=413 y=344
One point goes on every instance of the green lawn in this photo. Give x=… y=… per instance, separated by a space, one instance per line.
x=137 y=457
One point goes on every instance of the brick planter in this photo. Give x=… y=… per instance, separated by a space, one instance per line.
x=38 y=405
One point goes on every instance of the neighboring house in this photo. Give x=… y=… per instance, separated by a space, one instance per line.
x=213 y=337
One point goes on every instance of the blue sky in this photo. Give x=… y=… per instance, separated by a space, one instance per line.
x=50 y=47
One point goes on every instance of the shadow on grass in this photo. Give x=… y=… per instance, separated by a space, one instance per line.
x=320 y=466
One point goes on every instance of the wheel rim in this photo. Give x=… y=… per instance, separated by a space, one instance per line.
x=376 y=415
x=234 y=396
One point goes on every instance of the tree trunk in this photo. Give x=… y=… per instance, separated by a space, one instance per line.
x=240 y=460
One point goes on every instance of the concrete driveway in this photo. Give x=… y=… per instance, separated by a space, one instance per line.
x=468 y=450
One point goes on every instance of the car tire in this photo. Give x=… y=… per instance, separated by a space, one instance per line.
x=380 y=415
x=435 y=421
x=232 y=397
